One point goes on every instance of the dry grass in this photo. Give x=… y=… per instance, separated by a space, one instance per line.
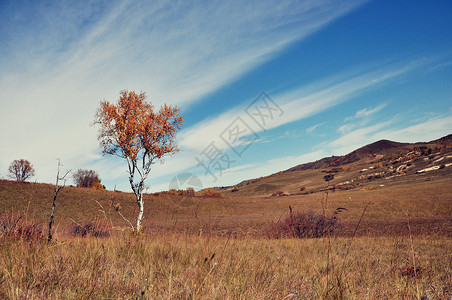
x=207 y=248
x=428 y=204
x=186 y=267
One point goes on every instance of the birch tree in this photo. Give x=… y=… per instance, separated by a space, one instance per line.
x=132 y=130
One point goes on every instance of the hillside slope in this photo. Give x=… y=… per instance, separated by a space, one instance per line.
x=379 y=163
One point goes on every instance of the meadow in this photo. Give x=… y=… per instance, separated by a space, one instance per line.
x=395 y=243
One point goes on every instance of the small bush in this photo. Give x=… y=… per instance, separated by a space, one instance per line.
x=278 y=194
x=87 y=179
x=98 y=186
x=98 y=229
x=304 y=225
x=15 y=227
x=190 y=192
x=211 y=193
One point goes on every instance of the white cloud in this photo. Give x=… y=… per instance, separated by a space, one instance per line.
x=424 y=131
x=366 y=112
x=362 y=116
x=357 y=138
x=346 y=128
x=312 y=128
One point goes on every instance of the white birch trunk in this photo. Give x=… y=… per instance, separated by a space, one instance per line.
x=140 y=203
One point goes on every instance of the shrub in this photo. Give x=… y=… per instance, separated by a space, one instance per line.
x=87 y=178
x=304 y=225
x=211 y=193
x=190 y=192
x=98 y=229
x=278 y=193
x=15 y=227
x=98 y=186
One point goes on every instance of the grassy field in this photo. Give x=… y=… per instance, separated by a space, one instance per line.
x=396 y=244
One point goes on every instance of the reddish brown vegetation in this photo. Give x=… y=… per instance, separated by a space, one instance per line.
x=21 y=170
x=87 y=179
x=304 y=225
x=278 y=194
x=94 y=229
x=211 y=193
x=16 y=227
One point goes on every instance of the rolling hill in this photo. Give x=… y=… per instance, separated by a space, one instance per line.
x=381 y=163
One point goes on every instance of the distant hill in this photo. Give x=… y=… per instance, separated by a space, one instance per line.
x=445 y=140
x=383 y=162
x=379 y=148
x=382 y=147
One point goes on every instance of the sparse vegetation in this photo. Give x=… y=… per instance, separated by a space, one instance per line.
x=304 y=225
x=278 y=194
x=14 y=226
x=92 y=229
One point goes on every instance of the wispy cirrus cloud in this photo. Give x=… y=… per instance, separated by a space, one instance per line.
x=426 y=130
x=301 y=103
x=366 y=112
x=312 y=128
x=361 y=118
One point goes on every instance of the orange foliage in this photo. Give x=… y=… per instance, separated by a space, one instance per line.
x=211 y=193
x=131 y=129
x=98 y=186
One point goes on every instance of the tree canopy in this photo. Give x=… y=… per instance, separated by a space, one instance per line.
x=21 y=170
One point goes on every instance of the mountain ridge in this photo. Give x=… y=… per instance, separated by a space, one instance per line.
x=381 y=162
x=381 y=147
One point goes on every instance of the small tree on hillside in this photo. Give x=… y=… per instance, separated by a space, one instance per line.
x=86 y=178
x=58 y=188
x=132 y=130
x=21 y=170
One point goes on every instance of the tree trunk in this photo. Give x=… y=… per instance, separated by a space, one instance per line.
x=52 y=216
x=140 y=203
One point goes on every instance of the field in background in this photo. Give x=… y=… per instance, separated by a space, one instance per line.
x=426 y=204
x=205 y=248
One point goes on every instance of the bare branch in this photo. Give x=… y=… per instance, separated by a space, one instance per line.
x=58 y=188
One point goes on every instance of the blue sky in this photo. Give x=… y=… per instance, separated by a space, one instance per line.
x=262 y=86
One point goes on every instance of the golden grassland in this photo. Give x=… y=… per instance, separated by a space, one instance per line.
x=179 y=266
x=206 y=248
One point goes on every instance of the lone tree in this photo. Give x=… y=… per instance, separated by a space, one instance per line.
x=132 y=130
x=86 y=178
x=21 y=170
